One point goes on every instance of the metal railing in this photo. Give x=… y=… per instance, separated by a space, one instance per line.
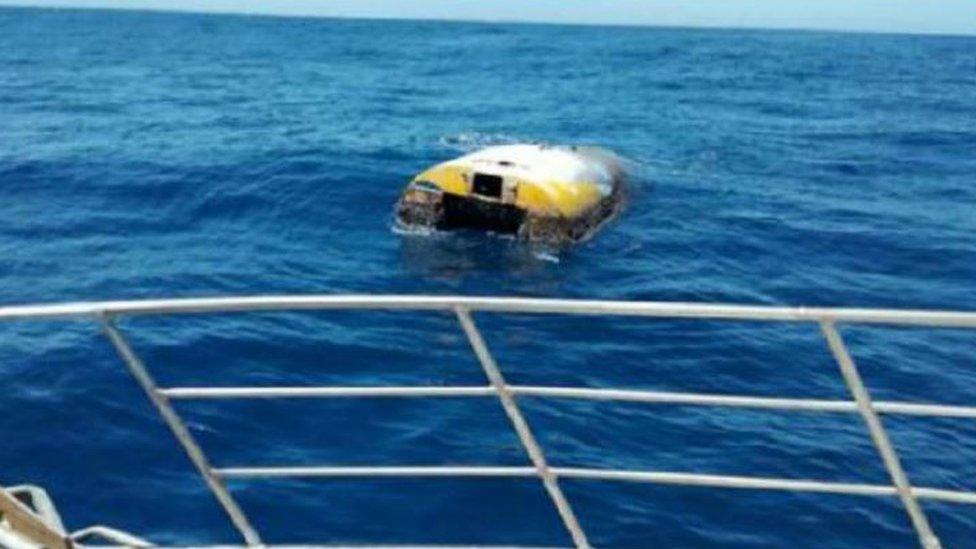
x=105 y=313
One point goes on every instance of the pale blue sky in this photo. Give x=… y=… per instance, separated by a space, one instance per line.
x=916 y=16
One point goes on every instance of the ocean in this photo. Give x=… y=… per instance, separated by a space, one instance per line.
x=149 y=155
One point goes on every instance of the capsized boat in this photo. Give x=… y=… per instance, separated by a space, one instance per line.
x=542 y=193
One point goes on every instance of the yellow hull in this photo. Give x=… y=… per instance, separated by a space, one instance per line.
x=541 y=193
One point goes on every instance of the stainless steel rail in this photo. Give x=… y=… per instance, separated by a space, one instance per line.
x=827 y=318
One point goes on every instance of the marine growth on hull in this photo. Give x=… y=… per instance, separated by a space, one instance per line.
x=555 y=195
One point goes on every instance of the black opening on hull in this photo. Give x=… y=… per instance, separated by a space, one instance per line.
x=487 y=185
x=468 y=213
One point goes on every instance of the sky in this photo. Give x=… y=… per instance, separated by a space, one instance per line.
x=911 y=16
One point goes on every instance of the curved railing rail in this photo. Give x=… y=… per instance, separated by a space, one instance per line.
x=462 y=307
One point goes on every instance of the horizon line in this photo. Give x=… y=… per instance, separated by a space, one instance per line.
x=501 y=21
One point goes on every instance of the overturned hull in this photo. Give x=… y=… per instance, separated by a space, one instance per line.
x=553 y=195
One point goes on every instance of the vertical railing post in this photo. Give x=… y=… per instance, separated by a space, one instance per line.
x=879 y=435
x=179 y=429
x=522 y=429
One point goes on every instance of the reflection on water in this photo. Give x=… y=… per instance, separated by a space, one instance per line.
x=454 y=256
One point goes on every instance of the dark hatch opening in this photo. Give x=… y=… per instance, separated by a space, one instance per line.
x=487 y=185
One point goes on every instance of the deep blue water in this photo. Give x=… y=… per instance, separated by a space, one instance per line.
x=153 y=155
